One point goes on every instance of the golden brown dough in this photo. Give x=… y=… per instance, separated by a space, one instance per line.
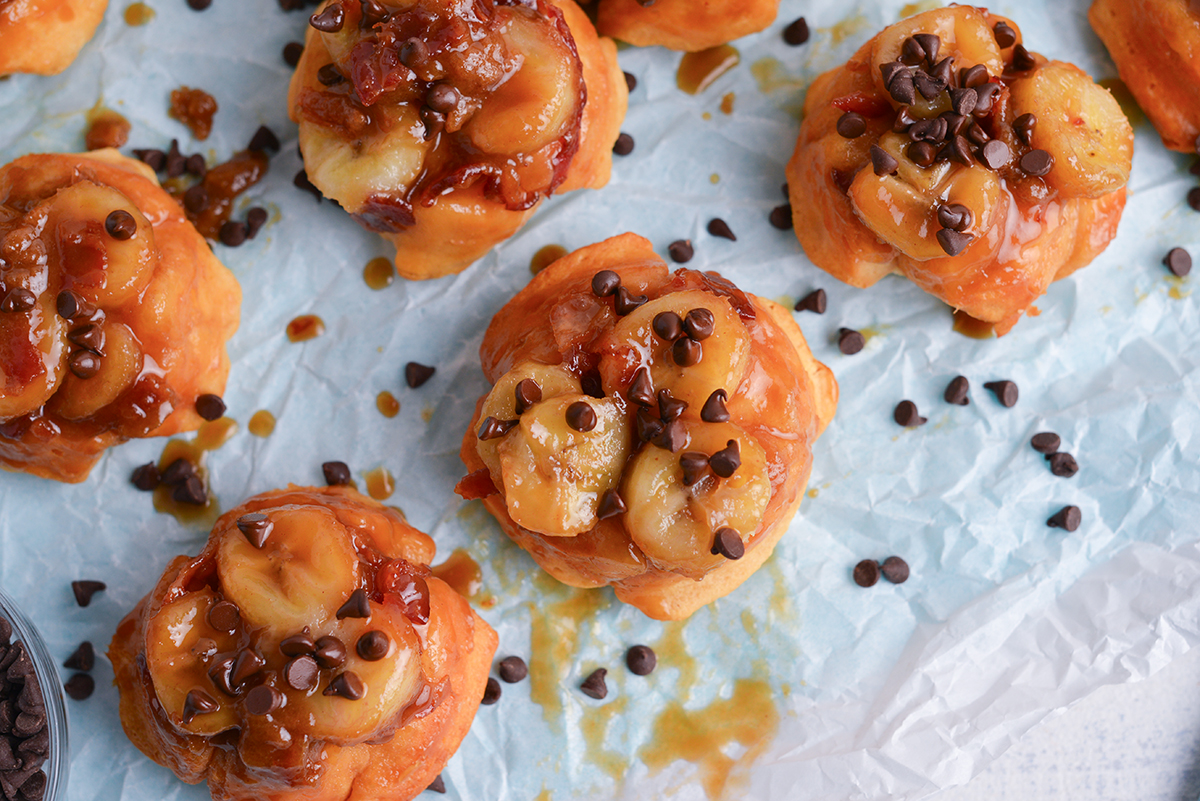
x=683 y=24
x=611 y=463
x=44 y=36
x=1002 y=209
x=530 y=108
x=306 y=653
x=1156 y=47
x=114 y=313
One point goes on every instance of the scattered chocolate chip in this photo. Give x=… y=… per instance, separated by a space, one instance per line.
x=1063 y=465
x=781 y=217
x=233 y=233
x=698 y=324
x=988 y=93
x=687 y=352
x=1046 y=442
x=513 y=669
x=959 y=149
x=1004 y=33
x=195 y=199
x=904 y=120
x=337 y=474
x=933 y=130
x=224 y=616
x=347 y=685
x=977 y=136
x=246 y=664
x=1068 y=517
x=796 y=33
x=1193 y=198
x=954 y=242
x=995 y=154
x=438 y=785
x=726 y=461
x=89 y=337
x=631 y=81
x=373 y=646
x=694 y=465
x=191 y=492
x=330 y=19
x=581 y=416
x=923 y=154
x=901 y=86
x=906 y=414
x=911 y=52
x=221 y=675
x=814 y=301
x=882 y=161
x=1178 y=261
x=1037 y=162
x=1005 y=392
x=714 y=410
x=718 y=227
x=866 y=573
x=210 y=407
x=894 y=569
x=955 y=216
x=1023 y=127
x=301 y=673
x=611 y=505
x=196 y=703
x=668 y=326
x=301 y=181
x=850 y=341
x=624 y=144
x=955 y=124
x=728 y=543
x=930 y=44
x=649 y=425
x=357 y=605
x=120 y=225
x=297 y=645
x=641 y=660
x=927 y=85
x=176 y=164
x=605 y=283
x=1023 y=60
x=669 y=407
x=154 y=159
x=292 y=51
x=972 y=77
x=416 y=374
x=491 y=692
x=84 y=658
x=18 y=300
x=177 y=472
x=681 y=251
x=851 y=125
x=671 y=437
x=263 y=700
x=69 y=305
x=956 y=391
x=85 y=589
x=199 y=5
x=527 y=394
x=80 y=686
x=641 y=391
x=592 y=384
x=264 y=139
x=443 y=98
x=491 y=428
x=594 y=685
x=195 y=165
x=963 y=100
x=624 y=303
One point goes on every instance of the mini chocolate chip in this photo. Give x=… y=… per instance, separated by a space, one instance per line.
x=434 y=122
x=330 y=19
x=330 y=75
x=714 y=410
x=416 y=374
x=971 y=77
x=933 y=130
x=995 y=154
x=89 y=337
x=667 y=326
x=930 y=44
x=904 y=120
x=641 y=660
x=687 y=352
x=1037 y=162
x=220 y=675
x=694 y=465
x=264 y=139
x=357 y=605
x=527 y=394
x=210 y=406
x=255 y=527
x=292 y=51
x=69 y=305
x=297 y=645
x=84 y=364
x=955 y=216
x=233 y=233
x=83 y=659
x=347 y=685
x=1023 y=127
x=850 y=341
x=911 y=52
x=1023 y=60
x=669 y=407
x=956 y=391
x=337 y=474
x=17 y=300
x=796 y=33
x=581 y=416
x=960 y=150
x=866 y=573
x=726 y=461
x=1063 y=465
x=882 y=161
x=491 y=428
x=955 y=123
x=513 y=669
x=672 y=437
x=199 y=5
x=610 y=505
x=624 y=144
x=605 y=283
x=197 y=702
x=195 y=199
x=927 y=85
x=438 y=785
x=640 y=390
x=894 y=569
x=1004 y=33
x=443 y=97
x=698 y=324
x=943 y=71
x=176 y=162
x=728 y=543
x=373 y=646
x=901 y=87
x=191 y=492
x=1178 y=261
x=491 y=692
x=906 y=414
x=814 y=301
x=1005 y=392
x=781 y=217
x=1193 y=198
x=263 y=700
x=624 y=303
x=988 y=93
x=923 y=154
x=301 y=673
x=178 y=472
x=953 y=242
x=1046 y=442
x=649 y=425
x=413 y=52
x=594 y=685
x=963 y=100
x=120 y=225
x=80 y=686
x=246 y=664
x=301 y=181
x=1068 y=517
x=195 y=165
x=224 y=616
x=85 y=589
x=851 y=125
x=154 y=159
x=718 y=227
x=681 y=251
x=631 y=81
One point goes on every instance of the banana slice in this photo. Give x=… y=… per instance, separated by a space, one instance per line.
x=963 y=33
x=724 y=354
x=1080 y=125
x=120 y=366
x=303 y=573
x=33 y=356
x=501 y=403
x=673 y=523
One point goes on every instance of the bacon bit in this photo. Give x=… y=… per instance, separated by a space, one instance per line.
x=403 y=586
x=868 y=105
x=476 y=486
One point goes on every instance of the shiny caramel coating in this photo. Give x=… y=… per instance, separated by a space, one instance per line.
x=43 y=37
x=546 y=482
x=361 y=722
x=503 y=105
x=1026 y=230
x=155 y=309
x=689 y=25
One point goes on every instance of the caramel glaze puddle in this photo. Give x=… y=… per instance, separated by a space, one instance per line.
x=138 y=14
x=379 y=273
x=545 y=257
x=387 y=404
x=749 y=717
x=210 y=436
x=968 y=326
x=305 y=327
x=554 y=642
x=697 y=71
x=461 y=572
x=380 y=483
x=262 y=423
x=595 y=723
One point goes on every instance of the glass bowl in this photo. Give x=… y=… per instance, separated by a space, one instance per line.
x=46 y=668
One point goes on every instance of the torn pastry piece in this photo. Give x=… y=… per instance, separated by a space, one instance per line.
x=43 y=37
x=1156 y=47
x=946 y=152
x=114 y=313
x=306 y=653
x=647 y=430
x=442 y=124
x=683 y=24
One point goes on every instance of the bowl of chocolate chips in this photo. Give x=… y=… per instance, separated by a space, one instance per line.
x=33 y=714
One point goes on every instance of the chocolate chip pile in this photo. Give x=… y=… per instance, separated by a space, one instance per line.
x=24 y=726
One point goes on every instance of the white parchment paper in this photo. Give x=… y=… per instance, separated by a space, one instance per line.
x=889 y=692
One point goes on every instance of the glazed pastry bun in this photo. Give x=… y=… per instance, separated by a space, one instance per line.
x=946 y=152
x=645 y=429
x=43 y=37
x=306 y=653
x=114 y=313
x=441 y=124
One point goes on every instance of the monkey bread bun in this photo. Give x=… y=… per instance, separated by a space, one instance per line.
x=43 y=37
x=683 y=24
